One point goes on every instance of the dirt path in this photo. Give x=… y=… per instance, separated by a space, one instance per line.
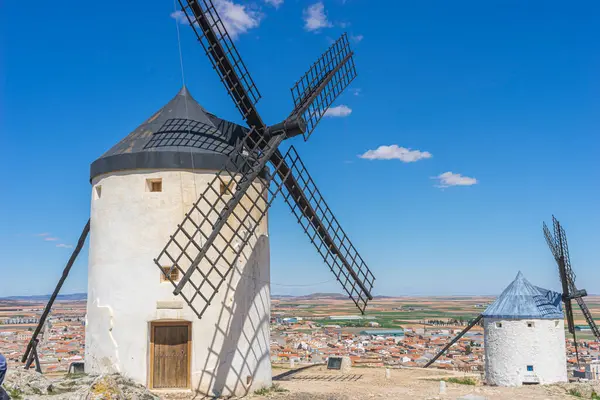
x=371 y=383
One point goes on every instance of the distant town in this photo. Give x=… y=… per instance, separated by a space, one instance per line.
x=403 y=331
x=62 y=342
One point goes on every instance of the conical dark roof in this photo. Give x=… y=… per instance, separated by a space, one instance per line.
x=182 y=134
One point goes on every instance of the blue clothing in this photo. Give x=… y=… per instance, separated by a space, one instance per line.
x=3 y=368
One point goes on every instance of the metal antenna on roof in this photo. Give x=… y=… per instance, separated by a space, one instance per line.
x=179 y=45
x=560 y=251
x=185 y=99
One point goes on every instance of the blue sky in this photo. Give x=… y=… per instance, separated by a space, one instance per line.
x=506 y=94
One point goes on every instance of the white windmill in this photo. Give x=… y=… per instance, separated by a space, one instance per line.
x=199 y=188
x=524 y=336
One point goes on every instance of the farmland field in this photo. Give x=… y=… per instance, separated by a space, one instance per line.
x=393 y=312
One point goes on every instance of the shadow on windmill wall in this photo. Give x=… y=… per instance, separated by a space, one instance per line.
x=238 y=359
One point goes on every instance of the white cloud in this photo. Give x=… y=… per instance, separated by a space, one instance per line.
x=315 y=17
x=237 y=18
x=45 y=236
x=357 y=38
x=395 y=152
x=180 y=17
x=451 y=179
x=274 y=3
x=356 y=91
x=339 y=111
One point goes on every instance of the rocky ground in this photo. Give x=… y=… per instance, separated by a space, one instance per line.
x=316 y=383
x=21 y=385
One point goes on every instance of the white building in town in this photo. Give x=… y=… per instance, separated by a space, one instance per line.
x=141 y=189
x=346 y=317
x=592 y=370
x=525 y=336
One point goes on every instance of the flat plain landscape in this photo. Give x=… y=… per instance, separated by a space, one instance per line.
x=402 y=312
x=65 y=333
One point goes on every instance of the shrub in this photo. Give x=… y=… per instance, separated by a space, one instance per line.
x=275 y=388
x=462 y=381
x=262 y=391
x=15 y=393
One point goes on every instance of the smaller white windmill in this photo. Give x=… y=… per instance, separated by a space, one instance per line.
x=524 y=336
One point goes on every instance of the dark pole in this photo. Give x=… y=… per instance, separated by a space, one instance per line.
x=576 y=350
x=33 y=356
x=74 y=255
x=461 y=334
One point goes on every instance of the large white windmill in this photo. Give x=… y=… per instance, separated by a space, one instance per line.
x=199 y=188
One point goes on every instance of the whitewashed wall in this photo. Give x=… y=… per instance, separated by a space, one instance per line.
x=129 y=227
x=514 y=346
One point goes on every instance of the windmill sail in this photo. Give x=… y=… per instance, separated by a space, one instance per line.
x=588 y=317
x=456 y=338
x=212 y=35
x=326 y=234
x=560 y=250
x=318 y=88
x=219 y=224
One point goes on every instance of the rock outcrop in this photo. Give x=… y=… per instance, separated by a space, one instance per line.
x=24 y=384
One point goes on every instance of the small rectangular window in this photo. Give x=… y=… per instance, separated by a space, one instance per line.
x=530 y=324
x=498 y=324
x=98 y=191
x=530 y=368
x=154 y=185
x=173 y=275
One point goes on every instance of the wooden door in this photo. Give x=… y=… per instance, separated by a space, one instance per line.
x=170 y=356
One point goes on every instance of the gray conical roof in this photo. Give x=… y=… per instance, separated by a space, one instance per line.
x=182 y=134
x=521 y=299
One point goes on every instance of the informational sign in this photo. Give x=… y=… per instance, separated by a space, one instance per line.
x=334 y=363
